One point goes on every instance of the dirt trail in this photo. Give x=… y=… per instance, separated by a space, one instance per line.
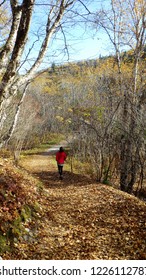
x=84 y=220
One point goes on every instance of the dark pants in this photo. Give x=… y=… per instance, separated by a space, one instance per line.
x=60 y=169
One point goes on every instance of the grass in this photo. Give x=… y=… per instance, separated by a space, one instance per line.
x=35 y=150
x=53 y=139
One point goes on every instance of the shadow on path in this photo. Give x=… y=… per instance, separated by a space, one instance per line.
x=39 y=165
x=51 y=179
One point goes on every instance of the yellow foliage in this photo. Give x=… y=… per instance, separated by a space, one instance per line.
x=69 y=120
x=70 y=110
x=59 y=118
x=87 y=114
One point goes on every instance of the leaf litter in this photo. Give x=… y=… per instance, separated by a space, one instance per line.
x=79 y=219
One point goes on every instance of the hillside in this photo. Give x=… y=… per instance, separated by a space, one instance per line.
x=45 y=218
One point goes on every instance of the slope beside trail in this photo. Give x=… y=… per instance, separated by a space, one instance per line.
x=81 y=219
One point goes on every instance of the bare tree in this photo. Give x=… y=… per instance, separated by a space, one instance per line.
x=125 y=26
x=12 y=50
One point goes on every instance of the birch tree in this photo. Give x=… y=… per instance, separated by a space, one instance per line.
x=125 y=25
x=12 y=50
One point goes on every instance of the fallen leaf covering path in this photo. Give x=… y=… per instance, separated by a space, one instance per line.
x=84 y=220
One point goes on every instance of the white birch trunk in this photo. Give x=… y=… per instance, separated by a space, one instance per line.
x=10 y=56
x=7 y=50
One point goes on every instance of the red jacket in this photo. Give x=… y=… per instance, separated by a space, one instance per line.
x=60 y=157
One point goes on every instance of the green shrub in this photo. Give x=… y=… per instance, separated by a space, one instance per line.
x=3 y=243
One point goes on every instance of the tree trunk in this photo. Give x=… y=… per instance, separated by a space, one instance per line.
x=7 y=137
x=12 y=51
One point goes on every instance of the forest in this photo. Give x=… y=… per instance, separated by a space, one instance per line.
x=83 y=102
x=97 y=106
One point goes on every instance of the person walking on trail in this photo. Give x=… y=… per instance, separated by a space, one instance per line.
x=60 y=158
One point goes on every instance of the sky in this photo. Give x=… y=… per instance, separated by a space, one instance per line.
x=90 y=44
x=83 y=42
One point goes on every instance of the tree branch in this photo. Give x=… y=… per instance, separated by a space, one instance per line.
x=2 y=2
x=50 y=29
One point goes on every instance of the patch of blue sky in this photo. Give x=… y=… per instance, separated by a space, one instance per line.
x=77 y=41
